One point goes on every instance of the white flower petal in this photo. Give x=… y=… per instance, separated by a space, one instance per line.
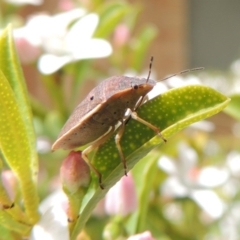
x=43 y=145
x=172 y=187
x=22 y=2
x=209 y=202
x=34 y=29
x=167 y=164
x=235 y=67
x=230 y=188
x=178 y=81
x=212 y=177
x=233 y=160
x=58 y=197
x=187 y=156
x=206 y=126
x=142 y=236
x=173 y=211
x=157 y=90
x=62 y=20
x=49 y=63
x=53 y=223
x=83 y=29
x=229 y=225
x=175 y=81
x=40 y=28
x=94 y=48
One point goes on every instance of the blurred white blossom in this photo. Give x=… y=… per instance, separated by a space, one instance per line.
x=61 y=42
x=23 y=2
x=53 y=223
x=230 y=224
x=186 y=179
x=32 y=39
x=75 y=44
x=142 y=236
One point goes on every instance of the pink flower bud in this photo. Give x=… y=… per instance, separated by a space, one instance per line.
x=121 y=35
x=122 y=198
x=142 y=236
x=65 y=5
x=74 y=172
x=10 y=183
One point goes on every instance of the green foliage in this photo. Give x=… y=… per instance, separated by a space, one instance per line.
x=111 y=14
x=17 y=139
x=171 y=112
x=233 y=107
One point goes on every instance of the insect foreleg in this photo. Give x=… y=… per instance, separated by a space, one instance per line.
x=141 y=101
x=154 y=128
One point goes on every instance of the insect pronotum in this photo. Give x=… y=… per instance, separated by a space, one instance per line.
x=96 y=117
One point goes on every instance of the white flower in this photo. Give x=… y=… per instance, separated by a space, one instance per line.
x=33 y=38
x=62 y=42
x=75 y=44
x=53 y=223
x=229 y=226
x=22 y=2
x=186 y=179
x=142 y=236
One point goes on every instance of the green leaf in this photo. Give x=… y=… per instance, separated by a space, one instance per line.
x=10 y=66
x=9 y=223
x=17 y=138
x=141 y=45
x=110 y=15
x=171 y=112
x=233 y=108
x=145 y=169
x=6 y=234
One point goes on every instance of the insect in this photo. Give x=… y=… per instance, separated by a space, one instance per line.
x=98 y=115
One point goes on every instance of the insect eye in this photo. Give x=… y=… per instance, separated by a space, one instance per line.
x=92 y=97
x=135 y=87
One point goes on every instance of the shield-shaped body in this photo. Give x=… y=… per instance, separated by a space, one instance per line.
x=103 y=108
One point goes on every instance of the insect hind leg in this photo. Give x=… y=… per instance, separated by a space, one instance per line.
x=92 y=147
x=118 y=138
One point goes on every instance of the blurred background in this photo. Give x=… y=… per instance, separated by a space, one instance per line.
x=67 y=47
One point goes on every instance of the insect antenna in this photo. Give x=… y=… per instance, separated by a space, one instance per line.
x=150 y=69
x=182 y=72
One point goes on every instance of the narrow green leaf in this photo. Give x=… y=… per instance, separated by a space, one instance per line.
x=9 y=223
x=17 y=138
x=15 y=146
x=110 y=16
x=171 y=112
x=10 y=66
x=141 y=45
x=146 y=169
x=233 y=108
x=6 y=234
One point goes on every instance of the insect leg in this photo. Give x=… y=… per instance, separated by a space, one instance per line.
x=154 y=128
x=92 y=147
x=117 y=141
x=141 y=101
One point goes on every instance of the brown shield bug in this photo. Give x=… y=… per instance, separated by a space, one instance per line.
x=97 y=116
